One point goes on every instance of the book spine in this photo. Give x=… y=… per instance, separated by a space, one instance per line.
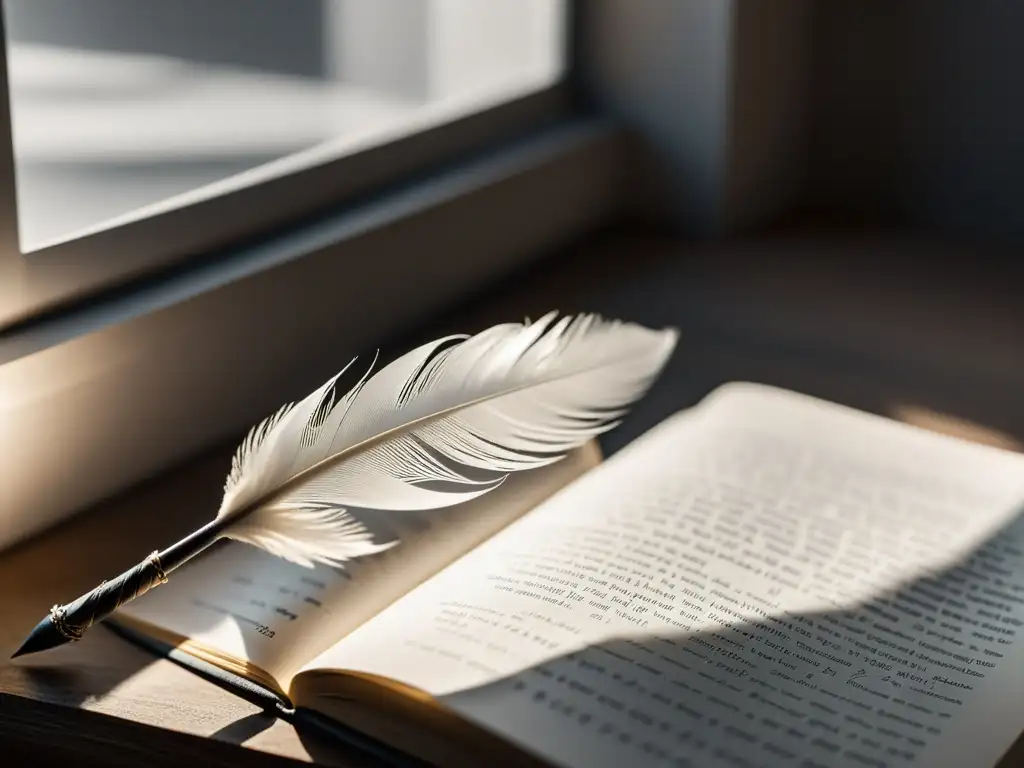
x=273 y=703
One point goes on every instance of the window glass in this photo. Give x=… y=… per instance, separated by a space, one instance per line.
x=121 y=108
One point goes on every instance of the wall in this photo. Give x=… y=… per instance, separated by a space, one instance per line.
x=906 y=112
x=476 y=45
x=381 y=45
x=769 y=83
x=918 y=113
x=435 y=49
x=663 y=68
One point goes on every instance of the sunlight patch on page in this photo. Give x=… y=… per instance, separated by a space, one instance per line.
x=739 y=567
x=955 y=426
x=680 y=555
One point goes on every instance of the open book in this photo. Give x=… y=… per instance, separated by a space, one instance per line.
x=763 y=579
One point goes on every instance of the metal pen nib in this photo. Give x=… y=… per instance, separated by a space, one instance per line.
x=44 y=637
x=68 y=623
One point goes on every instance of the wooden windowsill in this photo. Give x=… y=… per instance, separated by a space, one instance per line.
x=841 y=315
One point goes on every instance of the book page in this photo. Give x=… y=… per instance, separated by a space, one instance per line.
x=765 y=580
x=250 y=606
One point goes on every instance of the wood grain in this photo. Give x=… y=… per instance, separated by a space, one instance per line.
x=60 y=697
x=753 y=310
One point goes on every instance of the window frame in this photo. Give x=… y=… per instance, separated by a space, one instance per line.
x=173 y=235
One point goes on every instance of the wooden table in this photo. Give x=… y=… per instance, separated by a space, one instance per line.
x=69 y=692
x=843 y=316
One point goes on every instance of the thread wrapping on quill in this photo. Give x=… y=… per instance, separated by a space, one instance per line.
x=442 y=424
x=74 y=619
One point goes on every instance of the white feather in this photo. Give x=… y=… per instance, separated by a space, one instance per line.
x=440 y=425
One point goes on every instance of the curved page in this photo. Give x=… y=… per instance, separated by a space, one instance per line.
x=767 y=580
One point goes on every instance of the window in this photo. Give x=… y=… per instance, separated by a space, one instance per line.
x=205 y=206
x=122 y=107
x=147 y=132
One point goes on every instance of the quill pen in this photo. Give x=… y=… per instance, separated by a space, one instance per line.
x=443 y=424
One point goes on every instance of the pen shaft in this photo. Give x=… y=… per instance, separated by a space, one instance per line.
x=74 y=619
x=178 y=554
